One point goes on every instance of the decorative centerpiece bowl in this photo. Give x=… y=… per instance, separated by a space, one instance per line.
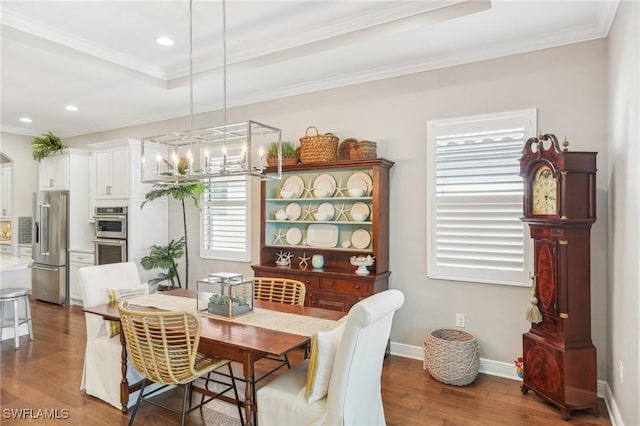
x=362 y=262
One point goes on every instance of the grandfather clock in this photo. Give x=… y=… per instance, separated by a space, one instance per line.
x=560 y=206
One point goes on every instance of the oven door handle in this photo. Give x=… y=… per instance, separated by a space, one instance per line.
x=110 y=242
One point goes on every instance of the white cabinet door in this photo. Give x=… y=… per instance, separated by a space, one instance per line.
x=112 y=173
x=103 y=173
x=120 y=173
x=5 y=194
x=54 y=173
x=77 y=260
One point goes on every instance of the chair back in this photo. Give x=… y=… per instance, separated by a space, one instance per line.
x=354 y=396
x=94 y=282
x=162 y=345
x=281 y=290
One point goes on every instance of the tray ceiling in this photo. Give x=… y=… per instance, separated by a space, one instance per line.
x=102 y=56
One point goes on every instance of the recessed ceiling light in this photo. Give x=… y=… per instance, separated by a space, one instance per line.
x=164 y=41
x=25 y=119
x=71 y=108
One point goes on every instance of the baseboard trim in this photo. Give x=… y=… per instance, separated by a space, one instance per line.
x=508 y=371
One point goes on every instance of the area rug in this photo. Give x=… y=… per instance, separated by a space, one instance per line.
x=221 y=413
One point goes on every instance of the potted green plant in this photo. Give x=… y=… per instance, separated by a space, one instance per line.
x=45 y=145
x=165 y=258
x=185 y=191
x=228 y=306
x=289 y=153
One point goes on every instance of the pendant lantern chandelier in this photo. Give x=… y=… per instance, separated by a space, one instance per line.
x=227 y=151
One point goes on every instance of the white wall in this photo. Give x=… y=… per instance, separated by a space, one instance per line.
x=24 y=177
x=567 y=85
x=624 y=211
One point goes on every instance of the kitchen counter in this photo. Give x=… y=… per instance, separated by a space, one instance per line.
x=14 y=273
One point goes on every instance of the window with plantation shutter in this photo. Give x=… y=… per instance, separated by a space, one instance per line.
x=224 y=220
x=474 y=198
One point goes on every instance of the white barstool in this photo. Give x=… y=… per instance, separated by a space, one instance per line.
x=14 y=295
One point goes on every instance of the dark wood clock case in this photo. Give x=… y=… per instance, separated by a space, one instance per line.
x=559 y=357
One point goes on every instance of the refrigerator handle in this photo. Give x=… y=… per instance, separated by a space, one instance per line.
x=44 y=218
x=44 y=268
x=37 y=224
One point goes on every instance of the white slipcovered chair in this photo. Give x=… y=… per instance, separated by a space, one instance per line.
x=102 y=372
x=353 y=396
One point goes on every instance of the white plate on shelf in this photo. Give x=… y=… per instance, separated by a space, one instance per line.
x=324 y=186
x=322 y=235
x=294 y=236
x=294 y=211
x=360 y=209
x=361 y=239
x=360 y=180
x=327 y=208
x=294 y=184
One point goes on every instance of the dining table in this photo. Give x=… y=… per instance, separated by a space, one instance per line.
x=226 y=338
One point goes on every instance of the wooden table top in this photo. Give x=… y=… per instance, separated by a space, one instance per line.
x=239 y=336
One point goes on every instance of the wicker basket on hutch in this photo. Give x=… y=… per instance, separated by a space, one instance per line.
x=452 y=356
x=352 y=149
x=318 y=148
x=363 y=150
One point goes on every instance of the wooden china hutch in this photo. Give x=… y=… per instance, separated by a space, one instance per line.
x=353 y=197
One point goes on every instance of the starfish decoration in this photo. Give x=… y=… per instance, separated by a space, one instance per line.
x=304 y=260
x=341 y=213
x=340 y=189
x=278 y=237
x=306 y=191
x=308 y=212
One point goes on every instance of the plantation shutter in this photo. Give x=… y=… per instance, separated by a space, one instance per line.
x=225 y=221
x=475 y=199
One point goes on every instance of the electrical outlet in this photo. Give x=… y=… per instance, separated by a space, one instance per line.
x=620 y=370
x=459 y=320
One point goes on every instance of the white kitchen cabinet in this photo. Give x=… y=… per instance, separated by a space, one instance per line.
x=112 y=173
x=53 y=172
x=69 y=171
x=77 y=260
x=5 y=190
x=61 y=171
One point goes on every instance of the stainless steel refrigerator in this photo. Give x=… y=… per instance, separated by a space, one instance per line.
x=50 y=244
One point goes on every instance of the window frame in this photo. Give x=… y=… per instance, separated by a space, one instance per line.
x=474 y=124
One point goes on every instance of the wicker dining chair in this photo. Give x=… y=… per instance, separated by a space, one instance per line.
x=163 y=346
x=281 y=290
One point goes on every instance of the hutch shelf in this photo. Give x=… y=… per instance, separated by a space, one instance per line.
x=336 y=210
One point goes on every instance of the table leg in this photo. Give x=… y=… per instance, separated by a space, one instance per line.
x=124 y=385
x=250 y=413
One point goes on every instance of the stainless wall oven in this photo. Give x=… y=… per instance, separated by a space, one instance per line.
x=111 y=235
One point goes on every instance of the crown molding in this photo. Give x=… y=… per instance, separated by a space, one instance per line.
x=20 y=130
x=47 y=32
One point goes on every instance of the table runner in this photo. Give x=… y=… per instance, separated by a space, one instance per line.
x=273 y=320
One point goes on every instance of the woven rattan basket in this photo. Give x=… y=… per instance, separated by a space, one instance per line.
x=363 y=150
x=318 y=148
x=344 y=149
x=452 y=356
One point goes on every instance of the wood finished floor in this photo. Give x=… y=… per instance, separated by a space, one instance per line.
x=45 y=374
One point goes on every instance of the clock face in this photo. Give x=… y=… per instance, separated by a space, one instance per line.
x=545 y=192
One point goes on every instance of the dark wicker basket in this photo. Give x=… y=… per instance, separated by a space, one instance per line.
x=363 y=150
x=345 y=147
